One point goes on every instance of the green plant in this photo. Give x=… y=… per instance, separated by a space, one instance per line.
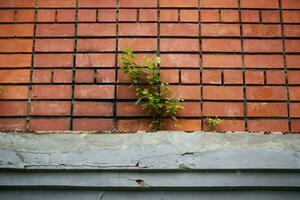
x=150 y=90
x=212 y=123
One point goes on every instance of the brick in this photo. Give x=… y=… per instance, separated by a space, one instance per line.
x=54 y=108
x=293 y=77
x=229 y=16
x=223 y=109
x=290 y=4
x=291 y=16
x=295 y=126
x=53 y=60
x=179 y=30
x=17 y=3
x=181 y=125
x=186 y=92
x=168 y=15
x=219 y=30
x=93 y=45
x=132 y=125
x=84 y=76
x=41 y=76
x=294 y=93
x=48 y=124
x=233 y=77
x=294 y=109
x=179 y=45
x=7 y=15
x=45 y=15
x=54 y=30
x=51 y=92
x=56 y=3
x=93 y=109
x=178 y=3
x=233 y=61
x=138 y=44
x=249 y=16
x=138 y=29
x=95 y=60
x=190 y=109
x=130 y=109
x=263 y=61
x=292 y=45
x=62 y=76
x=128 y=15
x=14 y=92
x=96 y=29
x=259 y=4
x=105 y=76
x=66 y=15
x=138 y=3
x=15 y=60
x=13 y=124
x=221 y=45
x=13 y=108
x=148 y=15
x=190 y=76
x=253 y=45
x=211 y=77
x=169 y=76
x=275 y=77
x=268 y=125
x=122 y=78
x=266 y=93
x=189 y=15
x=54 y=45
x=97 y=3
x=254 y=77
x=93 y=124
x=266 y=110
x=16 y=45
x=261 y=30
x=94 y=92
x=179 y=60
x=293 y=61
x=25 y=15
x=227 y=125
x=219 y=3
x=222 y=92
x=14 y=76
x=270 y=16
x=291 y=30
x=107 y=15
x=126 y=92
x=16 y=30
x=87 y=15
x=209 y=16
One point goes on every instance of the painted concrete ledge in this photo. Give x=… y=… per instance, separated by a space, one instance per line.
x=160 y=150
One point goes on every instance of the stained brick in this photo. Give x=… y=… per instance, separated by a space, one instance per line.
x=16 y=45
x=94 y=92
x=222 y=92
x=266 y=110
x=51 y=92
x=93 y=109
x=15 y=60
x=179 y=60
x=47 y=124
x=266 y=93
x=179 y=30
x=268 y=125
x=54 y=108
x=92 y=124
x=223 y=109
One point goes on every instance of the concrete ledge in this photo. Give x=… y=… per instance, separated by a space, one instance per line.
x=160 y=150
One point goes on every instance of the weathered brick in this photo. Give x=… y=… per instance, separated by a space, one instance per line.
x=254 y=77
x=16 y=30
x=179 y=60
x=190 y=76
x=292 y=46
x=294 y=109
x=270 y=16
x=291 y=16
x=266 y=93
x=209 y=16
x=179 y=30
x=53 y=60
x=66 y=15
x=93 y=109
x=133 y=125
x=130 y=109
x=250 y=16
x=46 y=15
x=229 y=16
x=128 y=15
x=15 y=92
x=219 y=30
x=275 y=77
x=233 y=76
x=16 y=45
x=13 y=108
x=219 y=3
x=54 y=45
x=148 y=15
x=216 y=60
x=259 y=4
x=90 y=45
x=170 y=76
x=253 y=45
x=211 y=77
x=187 y=92
x=293 y=61
x=56 y=3
x=178 y=3
x=222 y=92
x=294 y=93
x=95 y=60
x=13 y=124
x=92 y=124
x=138 y=3
x=55 y=30
x=189 y=15
x=138 y=29
x=87 y=15
x=49 y=124
x=97 y=3
x=258 y=30
x=138 y=44
x=17 y=3
x=293 y=77
x=169 y=15
x=14 y=76
x=94 y=92
x=268 y=125
x=179 y=45
x=263 y=61
x=222 y=109
x=105 y=76
x=62 y=76
x=181 y=125
x=55 y=108
x=266 y=110
x=221 y=45
x=51 y=92
x=15 y=60
x=96 y=29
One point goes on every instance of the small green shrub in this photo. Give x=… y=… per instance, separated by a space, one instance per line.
x=212 y=123
x=150 y=90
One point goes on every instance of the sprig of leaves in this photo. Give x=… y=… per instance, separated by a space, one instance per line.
x=150 y=90
x=212 y=123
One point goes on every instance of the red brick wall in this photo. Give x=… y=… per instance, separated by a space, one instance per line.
x=235 y=59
